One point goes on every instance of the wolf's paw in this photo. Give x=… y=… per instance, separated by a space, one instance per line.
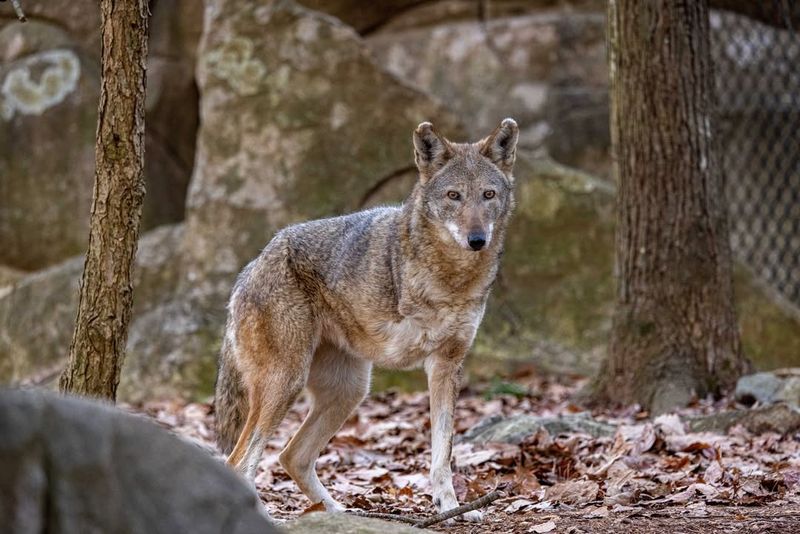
x=473 y=517
x=448 y=502
x=333 y=506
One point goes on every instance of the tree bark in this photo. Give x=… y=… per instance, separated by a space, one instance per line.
x=98 y=343
x=674 y=331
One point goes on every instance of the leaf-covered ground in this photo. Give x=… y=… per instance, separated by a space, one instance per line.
x=650 y=476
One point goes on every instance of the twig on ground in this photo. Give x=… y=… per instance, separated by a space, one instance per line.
x=18 y=10
x=463 y=509
x=438 y=518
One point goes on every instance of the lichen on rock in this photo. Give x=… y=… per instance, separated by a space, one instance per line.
x=21 y=93
x=233 y=62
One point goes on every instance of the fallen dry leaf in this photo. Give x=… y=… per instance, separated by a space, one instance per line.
x=518 y=505
x=541 y=528
x=573 y=492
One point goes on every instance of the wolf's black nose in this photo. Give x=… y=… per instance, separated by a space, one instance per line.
x=477 y=240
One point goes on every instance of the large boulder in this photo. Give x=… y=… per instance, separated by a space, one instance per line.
x=172 y=351
x=362 y=16
x=37 y=313
x=49 y=90
x=48 y=101
x=546 y=68
x=298 y=122
x=72 y=466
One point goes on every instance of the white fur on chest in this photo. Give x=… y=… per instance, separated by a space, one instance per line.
x=406 y=343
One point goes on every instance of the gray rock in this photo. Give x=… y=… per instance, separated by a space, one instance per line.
x=779 y=418
x=37 y=313
x=516 y=428
x=50 y=80
x=318 y=125
x=315 y=523
x=546 y=68
x=758 y=387
x=790 y=392
x=769 y=387
x=71 y=466
x=48 y=106
x=172 y=351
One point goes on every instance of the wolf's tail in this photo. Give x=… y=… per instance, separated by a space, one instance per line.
x=230 y=400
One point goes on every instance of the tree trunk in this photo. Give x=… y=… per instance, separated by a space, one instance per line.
x=674 y=332
x=101 y=330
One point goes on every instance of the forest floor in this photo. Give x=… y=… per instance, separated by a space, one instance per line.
x=649 y=475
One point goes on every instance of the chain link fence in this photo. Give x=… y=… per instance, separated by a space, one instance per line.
x=757 y=67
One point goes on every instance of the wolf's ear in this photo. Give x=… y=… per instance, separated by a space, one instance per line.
x=501 y=146
x=431 y=151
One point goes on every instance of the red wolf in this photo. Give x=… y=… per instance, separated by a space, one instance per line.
x=391 y=286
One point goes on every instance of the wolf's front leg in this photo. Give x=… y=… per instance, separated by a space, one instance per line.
x=444 y=380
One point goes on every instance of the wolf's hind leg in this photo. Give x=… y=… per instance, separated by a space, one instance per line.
x=337 y=383
x=268 y=407
x=274 y=353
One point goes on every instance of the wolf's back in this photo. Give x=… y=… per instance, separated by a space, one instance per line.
x=230 y=400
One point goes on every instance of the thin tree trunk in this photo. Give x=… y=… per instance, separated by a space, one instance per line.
x=98 y=343
x=674 y=332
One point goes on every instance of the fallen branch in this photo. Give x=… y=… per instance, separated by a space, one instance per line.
x=18 y=10
x=463 y=509
x=438 y=518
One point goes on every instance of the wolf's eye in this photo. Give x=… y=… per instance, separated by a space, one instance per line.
x=488 y=194
x=453 y=195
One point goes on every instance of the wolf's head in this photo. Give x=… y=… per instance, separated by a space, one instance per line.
x=466 y=190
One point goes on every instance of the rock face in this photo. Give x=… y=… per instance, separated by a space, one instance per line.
x=47 y=85
x=547 y=69
x=172 y=350
x=362 y=16
x=298 y=122
x=49 y=89
x=72 y=466
x=37 y=314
